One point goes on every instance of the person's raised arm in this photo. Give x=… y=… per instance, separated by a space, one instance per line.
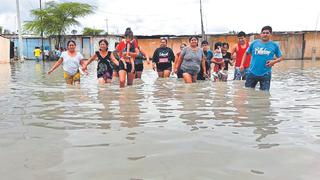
x=56 y=65
x=85 y=64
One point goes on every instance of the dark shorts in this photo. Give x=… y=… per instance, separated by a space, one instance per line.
x=106 y=75
x=138 y=67
x=200 y=75
x=192 y=72
x=122 y=67
x=164 y=66
x=180 y=73
x=115 y=67
x=264 y=81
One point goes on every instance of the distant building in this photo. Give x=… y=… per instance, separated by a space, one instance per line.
x=4 y=50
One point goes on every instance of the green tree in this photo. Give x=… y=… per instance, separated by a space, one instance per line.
x=1 y=28
x=56 y=18
x=91 y=31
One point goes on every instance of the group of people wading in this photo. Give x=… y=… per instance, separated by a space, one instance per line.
x=252 y=61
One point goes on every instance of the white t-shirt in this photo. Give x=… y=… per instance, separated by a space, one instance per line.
x=71 y=64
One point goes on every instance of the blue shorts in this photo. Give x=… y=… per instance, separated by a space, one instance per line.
x=264 y=81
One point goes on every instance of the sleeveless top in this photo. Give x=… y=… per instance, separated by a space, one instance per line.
x=240 y=54
x=104 y=63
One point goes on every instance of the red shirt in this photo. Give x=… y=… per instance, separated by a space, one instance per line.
x=122 y=45
x=240 y=54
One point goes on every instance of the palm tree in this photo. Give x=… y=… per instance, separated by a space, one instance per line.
x=56 y=18
x=91 y=31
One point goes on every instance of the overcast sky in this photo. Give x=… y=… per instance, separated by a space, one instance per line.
x=154 y=17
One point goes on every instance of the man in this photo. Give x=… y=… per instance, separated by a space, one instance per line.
x=240 y=49
x=208 y=54
x=263 y=53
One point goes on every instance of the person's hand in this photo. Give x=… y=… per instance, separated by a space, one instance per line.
x=205 y=75
x=270 y=63
x=234 y=56
x=241 y=68
x=132 y=70
x=154 y=66
x=49 y=72
x=175 y=70
x=84 y=67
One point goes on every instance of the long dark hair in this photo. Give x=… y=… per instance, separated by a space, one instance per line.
x=105 y=41
x=71 y=41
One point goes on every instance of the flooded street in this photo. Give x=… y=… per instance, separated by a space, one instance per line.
x=158 y=128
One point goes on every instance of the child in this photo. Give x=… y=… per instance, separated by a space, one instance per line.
x=218 y=61
x=37 y=52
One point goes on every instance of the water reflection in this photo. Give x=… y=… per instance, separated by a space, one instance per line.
x=128 y=107
x=160 y=127
x=5 y=74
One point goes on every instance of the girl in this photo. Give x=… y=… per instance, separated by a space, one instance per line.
x=218 y=61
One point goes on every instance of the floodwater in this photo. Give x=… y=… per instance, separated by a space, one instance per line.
x=158 y=128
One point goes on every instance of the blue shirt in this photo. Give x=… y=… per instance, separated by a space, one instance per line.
x=261 y=53
x=209 y=56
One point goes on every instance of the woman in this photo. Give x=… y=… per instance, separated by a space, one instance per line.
x=179 y=72
x=128 y=50
x=104 y=57
x=138 y=62
x=191 y=58
x=162 y=59
x=71 y=61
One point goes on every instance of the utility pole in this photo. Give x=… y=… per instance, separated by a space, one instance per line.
x=314 y=49
x=41 y=33
x=107 y=26
x=21 y=58
x=202 y=28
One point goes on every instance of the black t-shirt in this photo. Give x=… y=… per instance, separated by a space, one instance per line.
x=163 y=55
x=227 y=60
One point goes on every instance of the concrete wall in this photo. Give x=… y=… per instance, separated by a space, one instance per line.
x=4 y=50
x=294 y=45
x=86 y=45
x=150 y=45
x=310 y=42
